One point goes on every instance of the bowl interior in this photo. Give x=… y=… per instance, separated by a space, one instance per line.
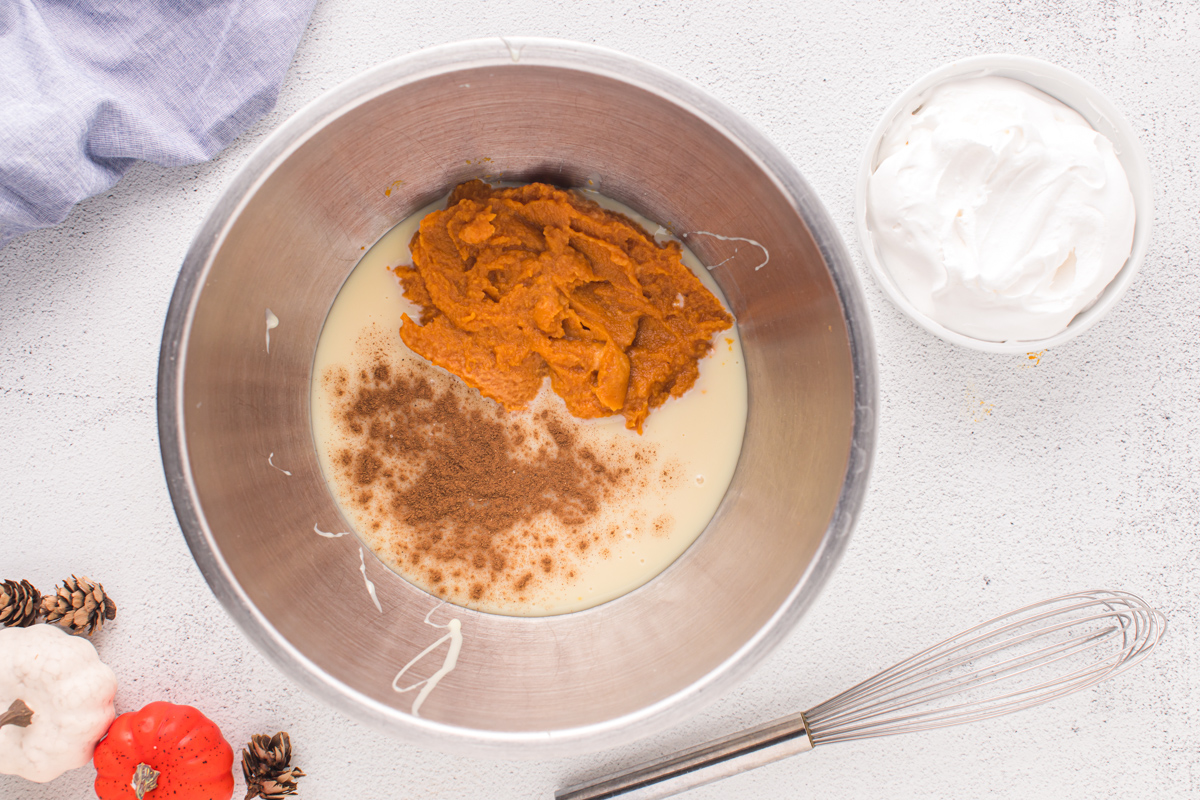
x=285 y=237
x=1072 y=91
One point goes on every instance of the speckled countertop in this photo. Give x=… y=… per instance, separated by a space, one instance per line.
x=998 y=479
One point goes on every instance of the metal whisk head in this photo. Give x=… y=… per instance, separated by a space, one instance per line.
x=1023 y=658
x=1017 y=660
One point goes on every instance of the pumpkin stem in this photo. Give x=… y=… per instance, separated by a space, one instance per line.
x=145 y=778
x=18 y=714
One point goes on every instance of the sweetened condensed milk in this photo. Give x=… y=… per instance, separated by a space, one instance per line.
x=529 y=512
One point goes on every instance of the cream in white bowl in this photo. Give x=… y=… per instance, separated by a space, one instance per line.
x=997 y=216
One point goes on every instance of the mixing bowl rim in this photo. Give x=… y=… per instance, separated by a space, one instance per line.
x=259 y=166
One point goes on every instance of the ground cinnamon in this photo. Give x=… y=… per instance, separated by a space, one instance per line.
x=477 y=500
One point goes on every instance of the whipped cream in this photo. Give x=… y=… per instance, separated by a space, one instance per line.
x=998 y=211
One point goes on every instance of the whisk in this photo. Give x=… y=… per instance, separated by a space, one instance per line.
x=1020 y=659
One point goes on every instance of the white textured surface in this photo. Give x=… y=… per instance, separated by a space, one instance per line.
x=997 y=481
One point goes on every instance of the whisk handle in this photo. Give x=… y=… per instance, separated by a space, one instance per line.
x=699 y=765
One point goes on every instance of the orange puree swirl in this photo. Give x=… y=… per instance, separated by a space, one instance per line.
x=522 y=283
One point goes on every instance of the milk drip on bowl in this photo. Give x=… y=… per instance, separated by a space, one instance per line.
x=998 y=211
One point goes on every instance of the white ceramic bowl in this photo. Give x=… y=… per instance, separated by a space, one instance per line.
x=1071 y=90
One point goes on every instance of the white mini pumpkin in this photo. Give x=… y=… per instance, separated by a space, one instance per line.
x=70 y=692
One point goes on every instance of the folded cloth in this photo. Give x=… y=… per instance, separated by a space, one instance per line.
x=89 y=86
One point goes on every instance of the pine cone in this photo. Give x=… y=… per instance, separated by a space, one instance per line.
x=79 y=605
x=20 y=604
x=265 y=763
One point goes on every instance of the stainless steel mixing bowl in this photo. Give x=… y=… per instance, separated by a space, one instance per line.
x=288 y=231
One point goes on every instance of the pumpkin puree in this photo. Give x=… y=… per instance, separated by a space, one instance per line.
x=517 y=284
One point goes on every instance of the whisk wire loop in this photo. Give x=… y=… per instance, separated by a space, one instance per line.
x=1003 y=671
x=1017 y=660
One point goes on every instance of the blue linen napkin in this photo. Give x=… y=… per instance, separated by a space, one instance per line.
x=89 y=86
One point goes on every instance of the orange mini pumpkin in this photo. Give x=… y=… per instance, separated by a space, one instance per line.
x=164 y=751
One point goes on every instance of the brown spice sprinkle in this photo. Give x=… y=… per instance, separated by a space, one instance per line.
x=521 y=283
x=467 y=492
